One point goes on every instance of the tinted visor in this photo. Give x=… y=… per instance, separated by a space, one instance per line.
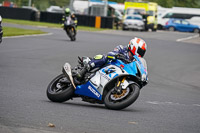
x=141 y=52
x=129 y=49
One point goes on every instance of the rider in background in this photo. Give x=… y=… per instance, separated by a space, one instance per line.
x=69 y=14
x=136 y=46
x=1 y=30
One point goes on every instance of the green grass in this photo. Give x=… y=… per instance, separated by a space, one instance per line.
x=11 y=31
x=49 y=25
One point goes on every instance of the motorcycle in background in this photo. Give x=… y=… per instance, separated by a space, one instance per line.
x=70 y=28
x=117 y=84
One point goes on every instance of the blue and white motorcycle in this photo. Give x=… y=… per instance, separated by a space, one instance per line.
x=117 y=84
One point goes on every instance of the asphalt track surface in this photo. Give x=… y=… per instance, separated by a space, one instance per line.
x=170 y=103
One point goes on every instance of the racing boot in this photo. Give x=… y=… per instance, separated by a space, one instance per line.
x=80 y=74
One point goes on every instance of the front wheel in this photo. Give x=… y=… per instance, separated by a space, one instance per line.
x=60 y=89
x=123 y=100
x=72 y=34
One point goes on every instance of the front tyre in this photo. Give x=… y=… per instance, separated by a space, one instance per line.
x=121 y=101
x=60 y=89
x=73 y=34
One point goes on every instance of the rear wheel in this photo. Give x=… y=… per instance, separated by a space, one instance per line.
x=124 y=29
x=196 y=30
x=60 y=89
x=154 y=30
x=160 y=27
x=123 y=100
x=171 y=29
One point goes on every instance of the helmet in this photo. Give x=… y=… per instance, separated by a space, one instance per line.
x=67 y=11
x=137 y=47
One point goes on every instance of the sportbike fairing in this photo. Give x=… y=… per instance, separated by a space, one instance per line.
x=95 y=86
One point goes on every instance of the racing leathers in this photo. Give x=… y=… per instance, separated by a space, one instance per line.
x=72 y=17
x=100 y=60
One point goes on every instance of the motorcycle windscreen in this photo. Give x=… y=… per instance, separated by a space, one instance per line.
x=131 y=68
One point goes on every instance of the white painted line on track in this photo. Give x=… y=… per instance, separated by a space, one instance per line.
x=29 y=35
x=187 y=38
x=196 y=105
x=163 y=103
x=170 y=103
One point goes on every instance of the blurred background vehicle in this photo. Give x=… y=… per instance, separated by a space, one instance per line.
x=190 y=14
x=148 y=10
x=195 y=20
x=181 y=25
x=55 y=9
x=134 y=22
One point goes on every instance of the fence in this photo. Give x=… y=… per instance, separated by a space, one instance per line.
x=17 y=13
x=29 y=14
x=83 y=20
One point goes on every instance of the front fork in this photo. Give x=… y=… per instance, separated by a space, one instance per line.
x=74 y=30
x=118 y=86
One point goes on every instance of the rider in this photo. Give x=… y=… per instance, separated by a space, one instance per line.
x=69 y=14
x=136 y=46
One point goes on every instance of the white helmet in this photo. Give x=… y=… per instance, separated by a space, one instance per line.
x=137 y=46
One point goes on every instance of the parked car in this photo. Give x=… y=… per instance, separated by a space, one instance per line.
x=134 y=22
x=181 y=25
x=56 y=9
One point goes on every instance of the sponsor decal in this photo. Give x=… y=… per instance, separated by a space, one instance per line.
x=93 y=91
x=103 y=75
x=108 y=76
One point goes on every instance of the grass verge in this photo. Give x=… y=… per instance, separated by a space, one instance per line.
x=49 y=25
x=11 y=31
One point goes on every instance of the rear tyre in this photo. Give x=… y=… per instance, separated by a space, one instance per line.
x=124 y=29
x=58 y=91
x=160 y=27
x=171 y=29
x=196 y=30
x=118 y=102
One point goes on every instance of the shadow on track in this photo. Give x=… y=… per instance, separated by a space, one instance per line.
x=97 y=106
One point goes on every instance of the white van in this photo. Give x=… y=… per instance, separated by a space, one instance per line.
x=195 y=20
x=179 y=12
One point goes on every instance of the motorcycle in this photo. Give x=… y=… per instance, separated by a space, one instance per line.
x=70 y=28
x=117 y=84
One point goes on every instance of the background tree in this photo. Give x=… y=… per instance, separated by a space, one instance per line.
x=170 y=3
x=43 y=4
x=40 y=4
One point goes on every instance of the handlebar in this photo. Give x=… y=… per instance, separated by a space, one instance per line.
x=122 y=58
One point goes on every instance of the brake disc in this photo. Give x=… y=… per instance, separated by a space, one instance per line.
x=120 y=96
